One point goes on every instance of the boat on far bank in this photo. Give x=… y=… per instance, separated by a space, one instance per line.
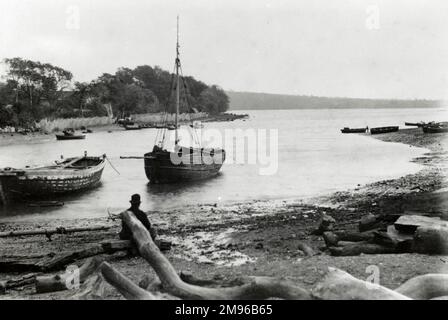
x=414 y=124
x=69 y=134
x=379 y=130
x=354 y=130
x=67 y=176
x=132 y=127
x=435 y=127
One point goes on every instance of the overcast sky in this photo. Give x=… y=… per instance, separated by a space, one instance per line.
x=353 y=48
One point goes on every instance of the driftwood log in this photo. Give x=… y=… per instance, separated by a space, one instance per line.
x=50 y=232
x=332 y=238
x=171 y=283
x=59 y=282
x=16 y=283
x=428 y=286
x=339 y=285
x=356 y=248
x=92 y=289
x=125 y=286
x=431 y=240
x=53 y=262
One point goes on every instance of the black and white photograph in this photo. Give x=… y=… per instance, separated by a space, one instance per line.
x=255 y=150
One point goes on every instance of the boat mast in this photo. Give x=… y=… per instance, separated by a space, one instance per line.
x=178 y=82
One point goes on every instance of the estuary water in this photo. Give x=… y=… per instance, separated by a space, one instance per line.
x=313 y=158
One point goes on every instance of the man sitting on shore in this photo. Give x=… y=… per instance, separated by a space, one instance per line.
x=125 y=233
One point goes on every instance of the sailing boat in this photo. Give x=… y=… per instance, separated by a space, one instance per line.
x=181 y=163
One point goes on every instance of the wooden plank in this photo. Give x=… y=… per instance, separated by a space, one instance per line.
x=410 y=223
x=60 y=230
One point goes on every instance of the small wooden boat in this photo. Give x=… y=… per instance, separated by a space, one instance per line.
x=414 y=124
x=435 y=128
x=71 y=137
x=379 y=130
x=353 y=130
x=69 y=134
x=132 y=127
x=70 y=175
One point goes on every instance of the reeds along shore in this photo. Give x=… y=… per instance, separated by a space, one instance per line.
x=47 y=125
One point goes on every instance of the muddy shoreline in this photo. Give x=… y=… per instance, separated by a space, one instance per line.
x=7 y=139
x=262 y=237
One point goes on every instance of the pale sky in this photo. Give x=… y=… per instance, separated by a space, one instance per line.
x=323 y=47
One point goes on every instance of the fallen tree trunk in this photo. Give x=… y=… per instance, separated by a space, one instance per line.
x=49 y=232
x=60 y=261
x=92 y=289
x=428 y=286
x=192 y=279
x=332 y=238
x=431 y=240
x=125 y=286
x=257 y=288
x=53 y=262
x=59 y=282
x=339 y=285
x=16 y=283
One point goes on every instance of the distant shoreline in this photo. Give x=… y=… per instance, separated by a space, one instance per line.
x=268 y=101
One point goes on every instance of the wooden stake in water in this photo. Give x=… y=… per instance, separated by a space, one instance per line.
x=3 y=199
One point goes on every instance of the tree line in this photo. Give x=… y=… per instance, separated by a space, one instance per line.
x=31 y=91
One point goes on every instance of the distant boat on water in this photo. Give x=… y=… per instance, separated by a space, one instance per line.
x=354 y=130
x=69 y=134
x=379 y=130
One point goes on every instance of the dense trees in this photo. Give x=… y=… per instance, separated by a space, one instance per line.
x=35 y=90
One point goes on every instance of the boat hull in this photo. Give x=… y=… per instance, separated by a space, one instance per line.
x=160 y=169
x=68 y=137
x=380 y=130
x=44 y=183
x=354 y=130
x=435 y=129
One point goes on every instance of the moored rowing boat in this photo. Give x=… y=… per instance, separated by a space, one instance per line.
x=70 y=175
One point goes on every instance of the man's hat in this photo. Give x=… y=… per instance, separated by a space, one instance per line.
x=135 y=198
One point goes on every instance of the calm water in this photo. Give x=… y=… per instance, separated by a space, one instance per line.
x=314 y=158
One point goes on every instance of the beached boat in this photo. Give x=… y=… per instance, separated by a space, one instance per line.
x=181 y=163
x=353 y=130
x=414 y=124
x=435 y=128
x=67 y=176
x=132 y=127
x=379 y=130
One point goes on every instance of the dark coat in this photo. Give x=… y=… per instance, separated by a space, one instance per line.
x=126 y=234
